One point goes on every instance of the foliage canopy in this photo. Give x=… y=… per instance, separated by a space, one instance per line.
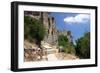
x=83 y=46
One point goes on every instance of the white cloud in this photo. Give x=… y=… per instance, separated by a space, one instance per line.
x=80 y=18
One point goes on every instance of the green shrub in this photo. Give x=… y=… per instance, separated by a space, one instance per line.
x=33 y=29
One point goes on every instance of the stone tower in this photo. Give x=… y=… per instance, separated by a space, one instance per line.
x=51 y=31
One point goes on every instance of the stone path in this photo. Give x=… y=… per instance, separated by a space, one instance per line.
x=51 y=57
x=55 y=57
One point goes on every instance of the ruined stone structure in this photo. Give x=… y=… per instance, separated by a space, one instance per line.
x=34 y=15
x=51 y=35
x=67 y=34
x=48 y=22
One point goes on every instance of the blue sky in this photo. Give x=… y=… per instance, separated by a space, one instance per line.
x=77 y=23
